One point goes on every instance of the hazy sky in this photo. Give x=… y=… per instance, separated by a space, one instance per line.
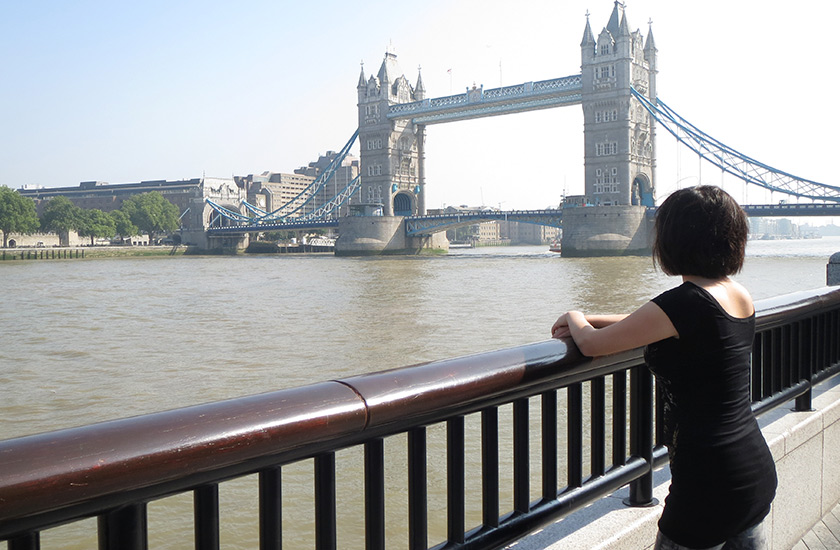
x=129 y=91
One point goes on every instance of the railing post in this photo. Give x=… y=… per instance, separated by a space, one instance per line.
x=549 y=445
x=325 y=506
x=455 y=497
x=206 y=509
x=521 y=457
x=375 y=494
x=490 y=467
x=125 y=528
x=641 y=434
x=29 y=541
x=574 y=435
x=271 y=507
x=417 y=499
x=619 y=424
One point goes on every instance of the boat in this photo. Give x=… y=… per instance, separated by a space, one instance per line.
x=554 y=247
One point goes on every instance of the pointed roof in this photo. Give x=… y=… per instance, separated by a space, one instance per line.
x=361 y=83
x=419 y=89
x=649 y=43
x=390 y=69
x=614 y=26
x=624 y=27
x=588 y=37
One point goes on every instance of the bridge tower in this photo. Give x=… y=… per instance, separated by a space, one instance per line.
x=391 y=151
x=619 y=134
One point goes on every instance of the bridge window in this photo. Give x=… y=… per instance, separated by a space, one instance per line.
x=607 y=71
x=374 y=144
x=605 y=48
x=374 y=170
x=607 y=148
x=371 y=114
x=405 y=166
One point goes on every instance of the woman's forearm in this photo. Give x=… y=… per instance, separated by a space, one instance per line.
x=601 y=321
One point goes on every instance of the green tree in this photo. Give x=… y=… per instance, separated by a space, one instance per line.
x=151 y=213
x=122 y=224
x=61 y=215
x=96 y=223
x=17 y=214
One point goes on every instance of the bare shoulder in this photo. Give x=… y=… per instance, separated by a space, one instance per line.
x=732 y=297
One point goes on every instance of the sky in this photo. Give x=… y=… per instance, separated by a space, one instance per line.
x=123 y=92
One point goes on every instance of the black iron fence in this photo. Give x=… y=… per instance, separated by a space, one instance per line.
x=603 y=409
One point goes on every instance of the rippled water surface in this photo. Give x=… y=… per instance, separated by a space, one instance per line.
x=91 y=340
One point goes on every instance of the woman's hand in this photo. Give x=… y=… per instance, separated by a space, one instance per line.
x=560 y=328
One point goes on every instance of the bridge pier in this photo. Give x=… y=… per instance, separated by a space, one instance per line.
x=201 y=240
x=606 y=231
x=374 y=235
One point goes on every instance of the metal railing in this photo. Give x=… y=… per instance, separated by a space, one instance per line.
x=112 y=470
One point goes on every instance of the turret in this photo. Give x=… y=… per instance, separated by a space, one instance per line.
x=419 y=89
x=587 y=44
x=650 y=48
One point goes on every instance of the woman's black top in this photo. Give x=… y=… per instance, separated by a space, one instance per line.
x=723 y=477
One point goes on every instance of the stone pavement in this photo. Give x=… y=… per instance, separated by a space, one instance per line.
x=825 y=535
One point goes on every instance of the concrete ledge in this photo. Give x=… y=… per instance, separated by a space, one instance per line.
x=805 y=446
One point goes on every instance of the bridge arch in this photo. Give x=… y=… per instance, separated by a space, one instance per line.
x=212 y=218
x=403 y=204
x=641 y=193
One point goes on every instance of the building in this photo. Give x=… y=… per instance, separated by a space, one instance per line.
x=272 y=191
x=528 y=233
x=391 y=150
x=343 y=175
x=619 y=134
x=187 y=195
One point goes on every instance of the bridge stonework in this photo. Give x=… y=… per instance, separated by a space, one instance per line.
x=619 y=142
x=391 y=150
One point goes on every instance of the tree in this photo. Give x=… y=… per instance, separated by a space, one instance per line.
x=17 y=214
x=96 y=223
x=61 y=215
x=151 y=213
x=122 y=224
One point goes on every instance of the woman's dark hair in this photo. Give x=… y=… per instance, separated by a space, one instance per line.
x=700 y=231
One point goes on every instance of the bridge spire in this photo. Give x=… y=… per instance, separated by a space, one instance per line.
x=616 y=19
x=362 y=83
x=419 y=89
x=588 y=38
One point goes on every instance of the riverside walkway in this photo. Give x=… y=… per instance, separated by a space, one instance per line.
x=825 y=535
x=804 y=445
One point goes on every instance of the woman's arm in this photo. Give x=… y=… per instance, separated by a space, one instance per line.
x=560 y=329
x=644 y=326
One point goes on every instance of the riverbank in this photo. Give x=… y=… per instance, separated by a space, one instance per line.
x=90 y=252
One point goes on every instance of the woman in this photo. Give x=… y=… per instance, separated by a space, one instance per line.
x=699 y=337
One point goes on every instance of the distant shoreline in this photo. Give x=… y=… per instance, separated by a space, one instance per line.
x=25 y=254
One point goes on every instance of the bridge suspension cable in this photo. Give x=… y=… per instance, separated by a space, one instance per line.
x=733 y=162
x=308 y=194
x=285 y=214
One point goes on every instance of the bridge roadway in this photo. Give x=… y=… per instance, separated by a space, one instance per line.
x=428 y=224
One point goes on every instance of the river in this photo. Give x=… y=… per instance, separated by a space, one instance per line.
x=91 y=340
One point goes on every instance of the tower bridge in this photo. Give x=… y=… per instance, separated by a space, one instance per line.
x=617 y=92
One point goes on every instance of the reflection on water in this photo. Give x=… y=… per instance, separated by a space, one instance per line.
x=92 y=340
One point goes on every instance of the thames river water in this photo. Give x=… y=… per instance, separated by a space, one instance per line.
x=91 y=340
